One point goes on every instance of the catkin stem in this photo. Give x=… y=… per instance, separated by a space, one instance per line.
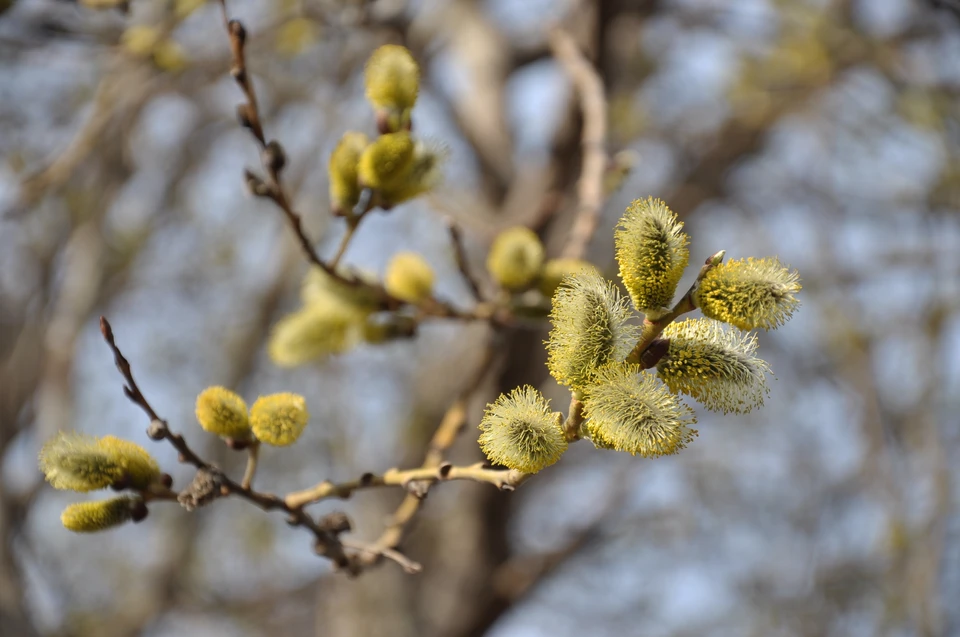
x=653 y=329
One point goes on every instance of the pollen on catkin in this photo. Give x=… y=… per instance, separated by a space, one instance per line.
x=590 y=328
x=223 y=413
x=651 y=249
x=409 y=277
x=279 y=419
x=387 y=162
x=315 y=331
x=392 y=79
x=627 y=409
x=90 y=517
x=749 y=293
x=426 y=173
x=515 y=258
x=343 y=171
x=84 y=463
x=555 y=270
x=520 y=432
x=714 y=366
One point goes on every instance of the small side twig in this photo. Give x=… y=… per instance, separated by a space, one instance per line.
x=653 y=329
x=460 y=254
x=253 y=457
x=594 y=106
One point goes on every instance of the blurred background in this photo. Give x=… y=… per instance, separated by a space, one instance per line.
x=824 y=132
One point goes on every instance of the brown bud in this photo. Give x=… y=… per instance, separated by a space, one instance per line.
x=274 y=157
x=138 y=510
x=237 y=31
x=654 y=352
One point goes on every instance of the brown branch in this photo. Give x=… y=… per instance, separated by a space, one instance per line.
x=594 y=106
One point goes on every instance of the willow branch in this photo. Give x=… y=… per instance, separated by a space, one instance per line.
x=653 y=329
x=460 y=254
x=589 y=85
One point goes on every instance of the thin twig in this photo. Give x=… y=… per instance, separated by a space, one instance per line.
x=253 y=456
x=327 y=542
x=594 y=106
x=460 y=254
x=653 y=329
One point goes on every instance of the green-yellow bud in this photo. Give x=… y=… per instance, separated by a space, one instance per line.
x=409 y=277
x=426 y=172
x=652 y=253
x=392 y=78
x=713 y=365
x=223 y=413
x=590 y=328
x=749 y=293
x=342 y=171
x=387 y=162
x=516 y=258
x=83 y=463
x=89 y=517
x=320 y=287
x=315 y=331
x=555 y=270
x=630 y=410
x=279 y=419
x=520 y=431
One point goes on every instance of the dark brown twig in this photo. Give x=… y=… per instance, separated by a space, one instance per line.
x=460 y=254
x=327 y=542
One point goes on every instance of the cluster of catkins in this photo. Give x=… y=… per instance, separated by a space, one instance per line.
x=335 y=315
x=626 y=407
x=82 y=463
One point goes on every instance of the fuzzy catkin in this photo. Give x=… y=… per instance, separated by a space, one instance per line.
x=749 y=293
x=90 y=517
x=651 y=249
x=627 y=409
x=78 y=462
x=590 y=328
x=520 y=432
x=279 y=419
x=714 y=366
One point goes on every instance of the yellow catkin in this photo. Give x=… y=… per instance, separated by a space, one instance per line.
x=392 y=80
x=78 y=462
x=749 y=293
x=630 y=410
x=520 y=432
x=409 y=277
x=314 y=332
x=713 y=365
x=515 y=258
x=342 y=171
x=652 y=252
x=223 y=413
x=426 y=173
x=590 y=328
x=90 y=517
x=387 y=162
x=279 y=419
